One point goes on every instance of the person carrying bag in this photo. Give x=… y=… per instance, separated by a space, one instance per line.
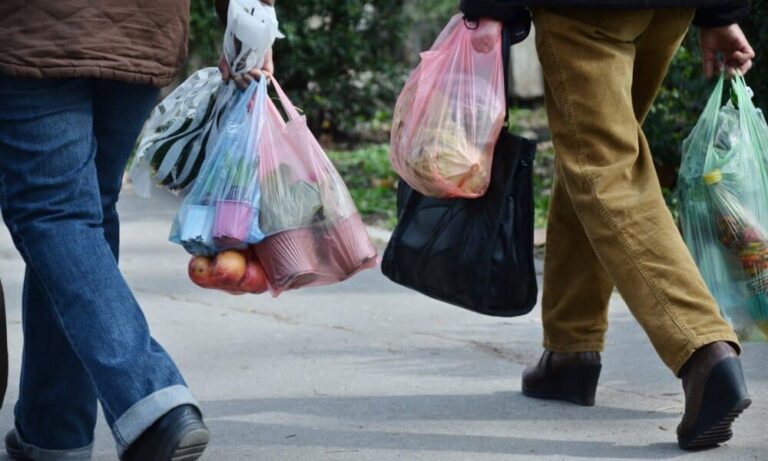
x=603 y=63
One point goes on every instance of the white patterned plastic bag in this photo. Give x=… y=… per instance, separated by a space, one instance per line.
x=179 y=132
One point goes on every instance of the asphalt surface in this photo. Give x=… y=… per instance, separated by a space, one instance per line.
x=366 y=370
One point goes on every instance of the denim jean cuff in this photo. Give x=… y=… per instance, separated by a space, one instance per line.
x=146 y=411
x=41 y=454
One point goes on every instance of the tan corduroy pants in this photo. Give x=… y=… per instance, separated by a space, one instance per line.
x=608 y=223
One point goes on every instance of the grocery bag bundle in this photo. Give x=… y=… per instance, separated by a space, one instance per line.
x=449 y=115
x=265 y=209
x=268 y=209
x=723 y=189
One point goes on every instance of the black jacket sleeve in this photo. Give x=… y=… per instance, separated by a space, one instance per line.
x=731 y=13
x=497 y=9
x=221 y=10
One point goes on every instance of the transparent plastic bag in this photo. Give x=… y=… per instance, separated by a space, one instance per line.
x=449 y=115
x=723 y=189
x=179 y=132
x=221 y=210
x=314 y=233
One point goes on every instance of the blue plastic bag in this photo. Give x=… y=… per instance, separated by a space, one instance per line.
x=222 y=210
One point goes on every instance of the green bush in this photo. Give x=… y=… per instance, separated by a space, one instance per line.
x=757 y=31
x=342 y=62
x=205 y=33
x=680 y=101
x=371 y=182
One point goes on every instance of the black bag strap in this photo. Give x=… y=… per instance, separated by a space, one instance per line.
x=3 y=349
x=516 y=27
x=513 y=31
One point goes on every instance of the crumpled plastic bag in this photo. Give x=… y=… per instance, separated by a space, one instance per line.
x=252 y=28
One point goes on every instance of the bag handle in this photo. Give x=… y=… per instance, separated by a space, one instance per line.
x=752 y=122
x=289 y=108
x=258 y=103
x=707 y=123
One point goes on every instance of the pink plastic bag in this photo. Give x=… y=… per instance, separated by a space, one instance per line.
x=314 y=233
x=450 y=112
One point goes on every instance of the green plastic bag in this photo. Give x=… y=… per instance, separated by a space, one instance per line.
x=723 y=192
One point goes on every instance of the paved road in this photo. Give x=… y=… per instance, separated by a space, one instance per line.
x=366 y=370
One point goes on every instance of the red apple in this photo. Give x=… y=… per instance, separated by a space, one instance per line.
x=255 y=280
x=200 y=271
x=228 y=270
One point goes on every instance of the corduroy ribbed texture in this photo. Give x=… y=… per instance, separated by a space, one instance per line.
x=608 y=223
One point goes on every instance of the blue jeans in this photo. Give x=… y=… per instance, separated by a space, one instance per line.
x=64 y=144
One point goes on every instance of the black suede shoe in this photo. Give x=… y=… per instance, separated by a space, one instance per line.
x=13 y=448
x=569 y=377
x=179 y=435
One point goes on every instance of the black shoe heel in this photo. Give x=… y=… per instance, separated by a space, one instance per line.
x=573 y=383
x=725 y=398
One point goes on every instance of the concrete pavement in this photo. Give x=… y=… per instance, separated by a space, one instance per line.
x=366 y=370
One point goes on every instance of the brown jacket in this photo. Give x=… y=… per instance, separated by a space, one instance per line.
x=136 y=41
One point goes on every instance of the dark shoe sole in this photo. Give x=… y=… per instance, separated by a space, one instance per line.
x=184 y=439
x=726 y=398
x=14 y=451
x=17 y=455
x=192 y=445
x=576 y=384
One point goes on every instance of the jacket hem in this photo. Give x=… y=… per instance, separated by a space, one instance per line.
x=88 y=71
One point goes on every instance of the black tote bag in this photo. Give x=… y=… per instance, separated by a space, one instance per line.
x=473 y=253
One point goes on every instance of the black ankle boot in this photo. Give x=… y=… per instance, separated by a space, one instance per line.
x=179 y=435
x=569 y=377
x=715 y=394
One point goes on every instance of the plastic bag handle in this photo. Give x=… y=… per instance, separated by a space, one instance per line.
x=246 y=97
x=257 y=109
x=289 y=108
x=707 y=123
x=750 y=120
